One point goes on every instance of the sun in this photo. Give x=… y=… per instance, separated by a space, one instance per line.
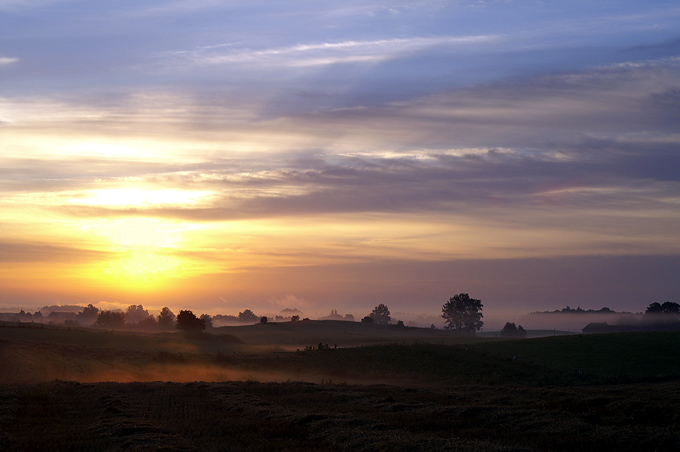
x=146 y=253
x=143 y=269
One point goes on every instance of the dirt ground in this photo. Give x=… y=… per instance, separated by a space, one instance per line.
x=295 y=416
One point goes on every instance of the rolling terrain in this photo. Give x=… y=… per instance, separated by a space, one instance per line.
x=240 y=389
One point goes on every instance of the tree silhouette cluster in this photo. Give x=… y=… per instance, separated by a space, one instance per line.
x=135 y=317
x=579 y=310
x=667 y=307
x=110 y=319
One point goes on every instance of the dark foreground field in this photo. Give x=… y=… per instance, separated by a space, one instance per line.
x=250 y=416
x=575 y=393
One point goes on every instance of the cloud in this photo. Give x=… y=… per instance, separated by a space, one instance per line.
x=19 y=252
x=6 y=61
x=111 y=305
x=587 y=156
x=14 y=5
x=330 y=52
x=513 y=141
x=288 y=301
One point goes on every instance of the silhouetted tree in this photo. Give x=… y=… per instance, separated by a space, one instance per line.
x=187 y=321
x=381 y=315
x=150 y=324
x=463 y=314
x=221 y=319
x=136 y=313
x=88 y=315
x=367 y=319
x=207 y=320
x=166 y=319
x=667 y=307
x=247 y=316
x=295 y=318
x=654 y=308
x=400 y=324
x=263 y=320
x=110 y=319
x=510 y=330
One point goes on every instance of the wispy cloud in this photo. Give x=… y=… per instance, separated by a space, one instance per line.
x=330 y=52
x=18 y=252
x=4 y=61
x=13 y=5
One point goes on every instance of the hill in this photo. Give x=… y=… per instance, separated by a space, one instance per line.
x=262 y=352
x=210 y=392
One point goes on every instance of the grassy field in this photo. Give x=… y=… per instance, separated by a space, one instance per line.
x=241 y=390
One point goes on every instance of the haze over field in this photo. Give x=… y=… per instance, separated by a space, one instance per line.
x=218 y=156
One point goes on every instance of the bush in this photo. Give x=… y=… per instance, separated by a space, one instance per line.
x=510 y=330
x=187 y=321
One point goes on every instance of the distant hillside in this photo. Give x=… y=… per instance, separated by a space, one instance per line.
x=576 y=319
x=578 y=310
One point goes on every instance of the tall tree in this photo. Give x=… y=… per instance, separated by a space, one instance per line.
x=381 y=315
x=207 y=319
x=463 y=314
x=248 y=316
x=166 y=319
x=136 y=313
x=88 y=315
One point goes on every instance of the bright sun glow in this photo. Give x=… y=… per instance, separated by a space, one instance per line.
x=141 y=269
x=146 y=251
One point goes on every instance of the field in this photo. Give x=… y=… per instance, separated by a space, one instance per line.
x=271 y=387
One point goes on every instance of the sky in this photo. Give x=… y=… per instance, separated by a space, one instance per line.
x=222 y=155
